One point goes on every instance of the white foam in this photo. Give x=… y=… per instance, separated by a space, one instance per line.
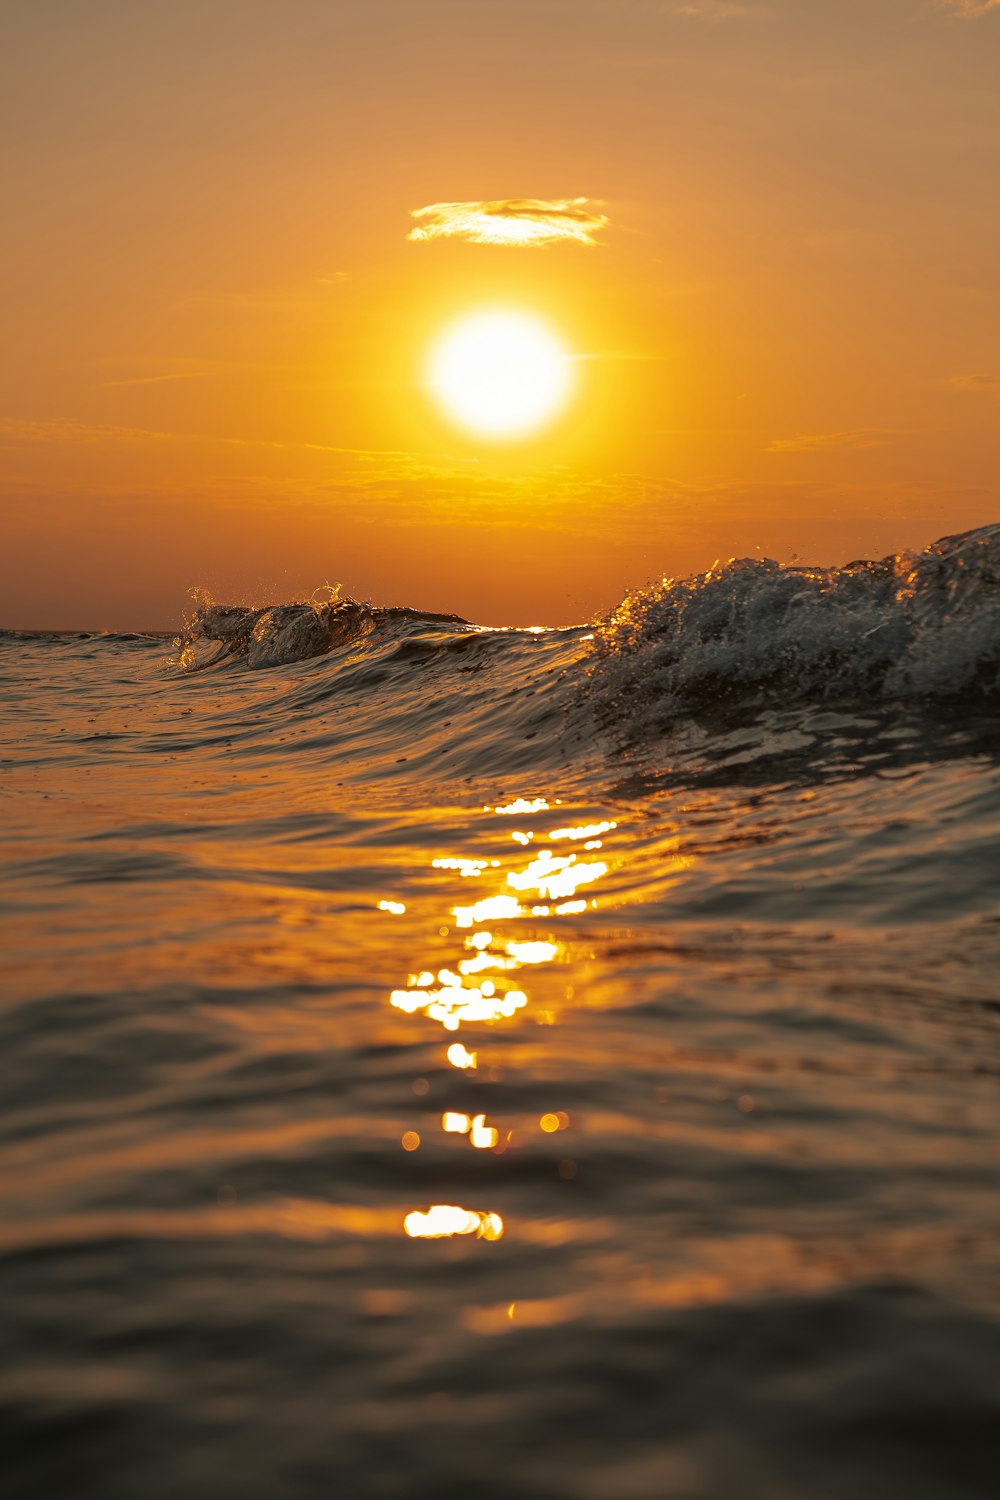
x=924 y=625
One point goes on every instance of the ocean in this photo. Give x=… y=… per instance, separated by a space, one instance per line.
x=562 y=1064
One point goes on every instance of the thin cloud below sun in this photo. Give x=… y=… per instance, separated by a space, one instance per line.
x=969 y=8
x=989 y=383
x=511 y=221
x=821 y=442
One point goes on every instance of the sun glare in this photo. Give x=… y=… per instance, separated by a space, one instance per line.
x=500 y=374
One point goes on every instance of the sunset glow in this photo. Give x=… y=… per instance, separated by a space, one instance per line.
x=555 y=329
x=500 y=786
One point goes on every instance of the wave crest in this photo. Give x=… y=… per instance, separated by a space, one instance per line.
x=923 y=625
x=270 y=635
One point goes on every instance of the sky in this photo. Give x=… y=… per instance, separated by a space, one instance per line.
x=778 y=294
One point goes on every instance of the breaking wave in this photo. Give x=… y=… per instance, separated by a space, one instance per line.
x=910 y=626
x=274 y=635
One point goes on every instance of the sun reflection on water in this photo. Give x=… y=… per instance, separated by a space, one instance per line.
x=451 y=1005
x=444 y=1220
x=556 y=876
x=520 y=805
x=466 y=867
x=493 y=909
x=588 y=831
x=478 y=987
x=475 y=1127
x=531 y=953
x=461 y=1057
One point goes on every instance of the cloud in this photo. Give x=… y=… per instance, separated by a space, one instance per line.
x=821 y=442
x=969 y=8
x=718 y=10
x=975 y=382
x=48 y=430
x=511 y=221
x=154 y=379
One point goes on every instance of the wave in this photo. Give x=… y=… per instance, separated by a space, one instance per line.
x=680 y=666
x=911 y=626
x=397 y=691
x=275 y=635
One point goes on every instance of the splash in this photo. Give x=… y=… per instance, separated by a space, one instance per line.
x=272 y=635
x=910 y=626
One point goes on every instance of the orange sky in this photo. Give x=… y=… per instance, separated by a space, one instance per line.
x=215 y=327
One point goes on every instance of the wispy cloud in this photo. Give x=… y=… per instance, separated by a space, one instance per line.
x=821 y=442
x=976 y=382
x=155 y=379
x=969 y=8
x=48 y=430
x=718 y=10
x=511 y=221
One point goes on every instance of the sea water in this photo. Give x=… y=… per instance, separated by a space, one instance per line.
x=441 y=1061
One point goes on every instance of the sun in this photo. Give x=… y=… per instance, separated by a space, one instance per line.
x=500 y=373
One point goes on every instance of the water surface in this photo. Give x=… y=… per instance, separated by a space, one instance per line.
x=446 y=1061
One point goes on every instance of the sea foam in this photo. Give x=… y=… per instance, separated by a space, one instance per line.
x=912 y=625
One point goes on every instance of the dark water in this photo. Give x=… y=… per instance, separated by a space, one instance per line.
x=441 y=1062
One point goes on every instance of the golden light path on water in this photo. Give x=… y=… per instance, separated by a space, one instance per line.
x=479 y=988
